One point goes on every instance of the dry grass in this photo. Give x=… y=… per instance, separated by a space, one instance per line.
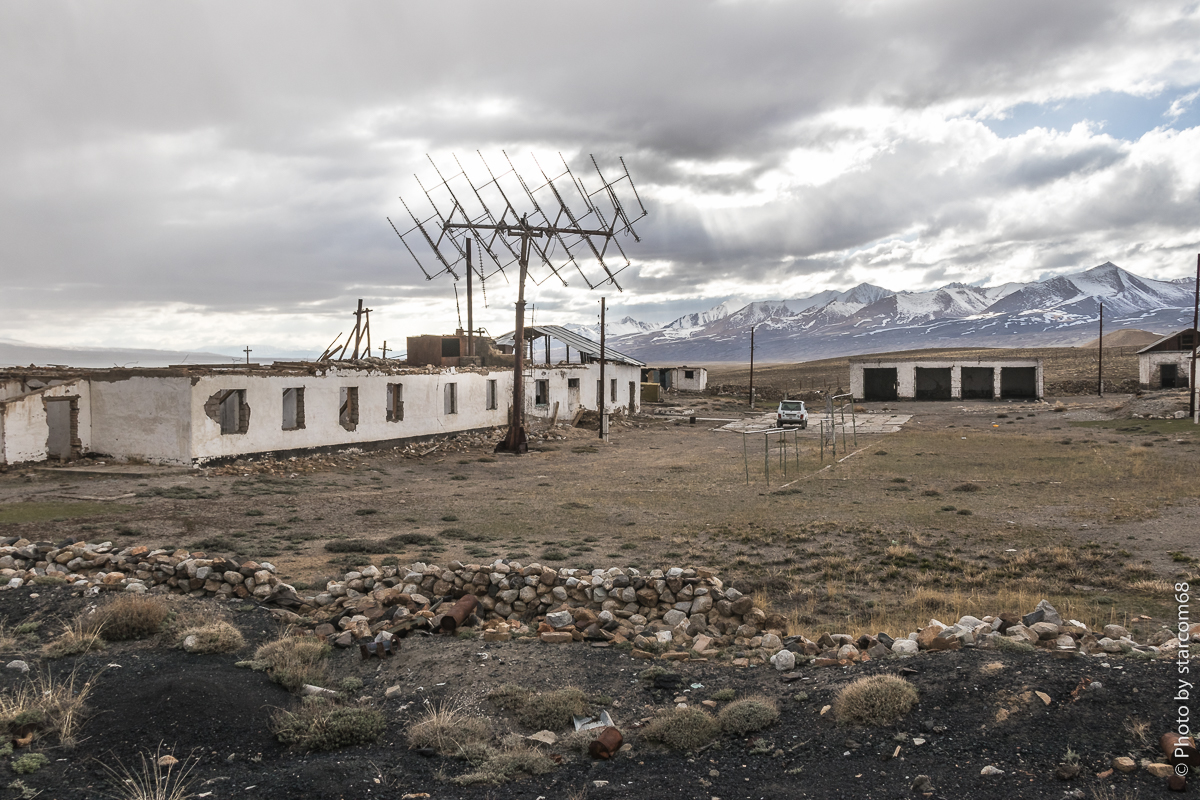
x=158 y=776
x=682 y=728
x=215 y=637
x=49 y=705
x=874 y=700
x=1139 y=730
x=748 y=715
x=448 y=729
x=293 y=661
x=129 y=616
x=77 y=637
x=507 y=763
x=319 y=726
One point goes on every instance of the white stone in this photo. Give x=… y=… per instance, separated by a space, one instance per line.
x=784 y=660
x=905 y=647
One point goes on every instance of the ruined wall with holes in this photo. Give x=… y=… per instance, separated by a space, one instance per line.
x=24 y=423
x=146 y=417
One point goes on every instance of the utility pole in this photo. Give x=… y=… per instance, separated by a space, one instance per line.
x=590 y=227
x=1195 y=345
x=384 y=349
x=603 y=388
x=1100 y=362
x=752 y=327
x=470 y=308
x=248 y=352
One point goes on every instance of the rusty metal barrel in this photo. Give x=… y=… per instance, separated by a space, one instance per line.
x=606 y=744
x=458 y=614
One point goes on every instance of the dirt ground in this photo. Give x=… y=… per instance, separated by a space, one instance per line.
x=1074 y=500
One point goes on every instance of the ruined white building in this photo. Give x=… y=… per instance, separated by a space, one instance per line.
x=1167 y=364
x=190 y=415
x=946 y=379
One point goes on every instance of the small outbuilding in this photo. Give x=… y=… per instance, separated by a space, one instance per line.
x=679 y=379
x=1167 y=364
x=946 y=379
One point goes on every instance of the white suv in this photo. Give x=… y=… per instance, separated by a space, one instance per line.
x=792 y=412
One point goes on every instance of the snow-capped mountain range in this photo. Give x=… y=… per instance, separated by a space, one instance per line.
x=1059 y=311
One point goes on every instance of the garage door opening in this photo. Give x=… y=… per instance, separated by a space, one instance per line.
x=933 y=384
x=1018 y=382
x=880 y=384
x=977 y=383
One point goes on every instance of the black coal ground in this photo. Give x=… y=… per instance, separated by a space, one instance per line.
x=148 y=694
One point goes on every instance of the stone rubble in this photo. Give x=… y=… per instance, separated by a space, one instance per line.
x=676 y=613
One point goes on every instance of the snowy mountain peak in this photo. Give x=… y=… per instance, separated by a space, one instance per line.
x=702 y=318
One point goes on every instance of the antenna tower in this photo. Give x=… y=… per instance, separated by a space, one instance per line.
x=548 y=228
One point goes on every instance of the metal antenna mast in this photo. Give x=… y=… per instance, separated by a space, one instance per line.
x=557 y=224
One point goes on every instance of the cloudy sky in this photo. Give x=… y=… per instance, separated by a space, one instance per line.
x=205 y=175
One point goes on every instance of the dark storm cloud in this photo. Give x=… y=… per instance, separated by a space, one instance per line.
x=241 y=157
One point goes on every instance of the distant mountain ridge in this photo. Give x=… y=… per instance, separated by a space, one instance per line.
x=1062 y=310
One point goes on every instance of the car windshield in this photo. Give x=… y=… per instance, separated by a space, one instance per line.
x=791 y=406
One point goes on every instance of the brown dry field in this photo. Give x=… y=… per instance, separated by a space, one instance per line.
x=1074 y=501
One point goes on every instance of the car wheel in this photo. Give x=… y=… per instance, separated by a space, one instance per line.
x=803 y=426
x=778 y=424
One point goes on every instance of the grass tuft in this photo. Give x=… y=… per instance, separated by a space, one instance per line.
x=293 y=661
x=874 y=700
x=748 y=715
x=326 y=726
x=215 y=637
x=130 y=616
x=159 y=776
x=682 y=728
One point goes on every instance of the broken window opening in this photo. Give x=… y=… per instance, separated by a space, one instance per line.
x=614 y=390
x=493 y=396
x=228 y=409
x=572 y=383
x=293 y=409
x=348 y=410
x=62 y=423
x=689 y=374
x=395 y=402
x=451 y=398
x=541 y=393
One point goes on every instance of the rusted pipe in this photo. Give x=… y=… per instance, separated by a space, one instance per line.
x=1180 y=749
x=606 y=744
x=457 y=615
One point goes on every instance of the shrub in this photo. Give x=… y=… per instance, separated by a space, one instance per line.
x=323 y=726
x=130 y=616
x=874 y=700
x=509 y=696
x=967 y=487
x=502 y=765
x=724 y=695
x=552 y=710
x=748 y=715
x=215 y=637
x=29 y=763
x=48 y=703
x=682 y=728
x=293 y=661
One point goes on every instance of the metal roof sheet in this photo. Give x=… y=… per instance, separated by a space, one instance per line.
x=571 y=339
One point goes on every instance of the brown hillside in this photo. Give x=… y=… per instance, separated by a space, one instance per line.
x=1126 y=337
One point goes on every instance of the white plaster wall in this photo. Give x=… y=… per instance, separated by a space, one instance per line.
x=1148 y=364
x=698 y=382
x=24 y=431
x=424 y=409
x=906 y=374
x=142 y=417
x=588 y=375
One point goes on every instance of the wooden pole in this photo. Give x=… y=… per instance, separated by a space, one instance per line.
x=515 y=442
x=1100 y=363
x=752 y=327
x=470 y=308
x=1196 y=345
x=603 y=388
